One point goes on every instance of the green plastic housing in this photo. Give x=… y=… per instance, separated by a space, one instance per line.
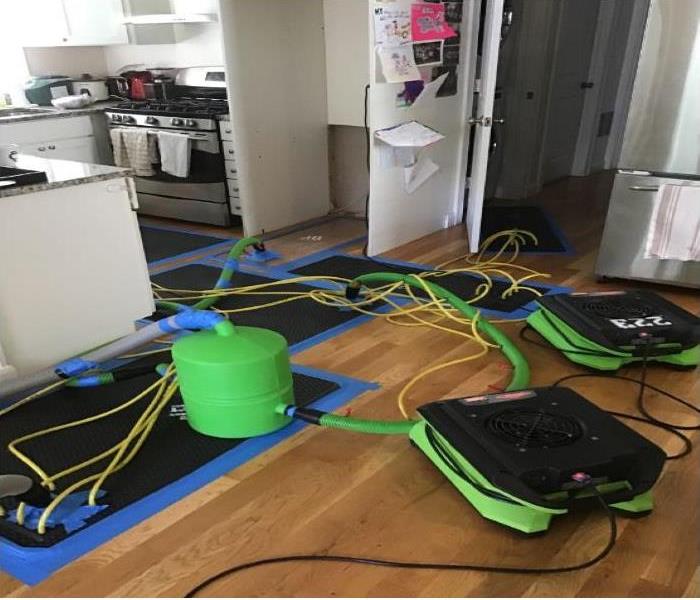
x=557 y=332
x=519 y=514
x=231 y=380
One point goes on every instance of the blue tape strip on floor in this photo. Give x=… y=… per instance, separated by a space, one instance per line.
x=286 y=271
x=32 y=565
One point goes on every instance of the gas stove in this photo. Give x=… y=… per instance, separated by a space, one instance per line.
x=198 y=100
x=178 y=113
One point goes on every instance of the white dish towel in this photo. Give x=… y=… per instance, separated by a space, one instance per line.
x=674 y=230
x=175 y=151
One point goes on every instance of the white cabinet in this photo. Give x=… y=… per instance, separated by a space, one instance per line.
x=70 y=22
x=66 y=138
x=82 y=149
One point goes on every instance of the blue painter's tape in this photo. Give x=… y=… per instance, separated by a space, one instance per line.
x=261 y=256
x=191 y=319
x=72 y=513
x=74 y=366
x=88 y=381
x=32 y=565
x=231 y=263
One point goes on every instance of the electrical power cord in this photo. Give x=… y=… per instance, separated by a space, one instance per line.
x=433 y=566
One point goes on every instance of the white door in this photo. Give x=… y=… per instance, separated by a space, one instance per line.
x=576 y=29
x=483 y=120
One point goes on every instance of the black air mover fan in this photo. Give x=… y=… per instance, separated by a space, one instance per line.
x=606 y=330
x=518 y=457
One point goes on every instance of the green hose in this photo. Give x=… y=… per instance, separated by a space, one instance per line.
x=224 y=281
x=366 y=426
x=521 y=370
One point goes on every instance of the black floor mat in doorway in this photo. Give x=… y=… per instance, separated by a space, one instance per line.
x=529 y=218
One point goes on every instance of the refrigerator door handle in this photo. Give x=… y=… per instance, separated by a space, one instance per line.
x=644 y=188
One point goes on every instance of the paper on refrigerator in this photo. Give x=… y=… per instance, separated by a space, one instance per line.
x=400 y=145
x=392 y=25
x=398 y=64
x=429 y=92
x=417 y=174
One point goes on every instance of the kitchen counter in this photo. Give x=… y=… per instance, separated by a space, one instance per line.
x=49 y=112
x=60 y=173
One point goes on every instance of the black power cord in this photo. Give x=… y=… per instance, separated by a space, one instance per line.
x=397 y=564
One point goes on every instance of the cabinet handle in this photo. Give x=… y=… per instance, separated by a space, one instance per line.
x=228 y=130
x=41 y=148
x=233 y=170
x=231 y=152
x=52 y=147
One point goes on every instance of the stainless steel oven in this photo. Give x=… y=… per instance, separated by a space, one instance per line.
x=202 y=196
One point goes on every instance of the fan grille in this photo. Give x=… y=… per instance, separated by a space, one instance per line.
x=526 y=428
x=617 y=309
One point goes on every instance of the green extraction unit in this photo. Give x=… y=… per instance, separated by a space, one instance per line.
x=232 y=379
x=608 y=330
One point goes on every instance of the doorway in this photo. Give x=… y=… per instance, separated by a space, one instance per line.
x=565 y=75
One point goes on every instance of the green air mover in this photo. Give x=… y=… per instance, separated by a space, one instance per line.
x=521 y=458
x=232 y=379
x=607 y=330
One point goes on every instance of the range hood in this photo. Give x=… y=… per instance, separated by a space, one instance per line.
x=169 y=19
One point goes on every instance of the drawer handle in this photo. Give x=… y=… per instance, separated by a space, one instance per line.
x=52 y=147
x=228 y=130
x=41 y=148
x=235 y=189
x=231 y=152
x=233 y=170
x=644 y=188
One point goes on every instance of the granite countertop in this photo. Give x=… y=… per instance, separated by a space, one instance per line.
x=60 y=173
x=49 y=112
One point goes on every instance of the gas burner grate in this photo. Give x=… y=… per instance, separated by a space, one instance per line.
x=527 y=428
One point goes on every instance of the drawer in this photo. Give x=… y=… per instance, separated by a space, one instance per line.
x=236 y=208
x=233 y=190
x=231 y=169
x=226 y=130
x=229 y=151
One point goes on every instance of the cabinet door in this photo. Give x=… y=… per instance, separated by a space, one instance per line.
x=95 y=22
x=82 y=149
x=41 y=22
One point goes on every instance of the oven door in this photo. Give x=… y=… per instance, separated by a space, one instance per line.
x=206 y=180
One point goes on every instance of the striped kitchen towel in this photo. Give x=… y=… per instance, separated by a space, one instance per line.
x=674 y=230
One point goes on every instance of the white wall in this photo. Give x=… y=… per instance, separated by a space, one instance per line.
x=70 y=61
x=276 y=76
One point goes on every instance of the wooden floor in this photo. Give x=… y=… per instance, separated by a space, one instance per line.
x=336 y=492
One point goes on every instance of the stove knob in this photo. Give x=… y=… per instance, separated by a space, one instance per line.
x=151 y=121
x=128 y=119
x=116 y=118
x=191 y=123
x=176 y=122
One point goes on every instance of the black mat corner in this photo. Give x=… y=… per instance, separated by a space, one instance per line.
x=166 y=243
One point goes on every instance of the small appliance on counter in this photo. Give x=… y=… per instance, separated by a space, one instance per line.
x=95 y=88
x=137 y=83
x=161 y=88
x=44 y=88
x=118 y=86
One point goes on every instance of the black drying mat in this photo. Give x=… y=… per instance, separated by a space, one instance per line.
x=462 y=285
x=172 y=450
x=296 y=321
x=165 y=243
x=529 y=218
